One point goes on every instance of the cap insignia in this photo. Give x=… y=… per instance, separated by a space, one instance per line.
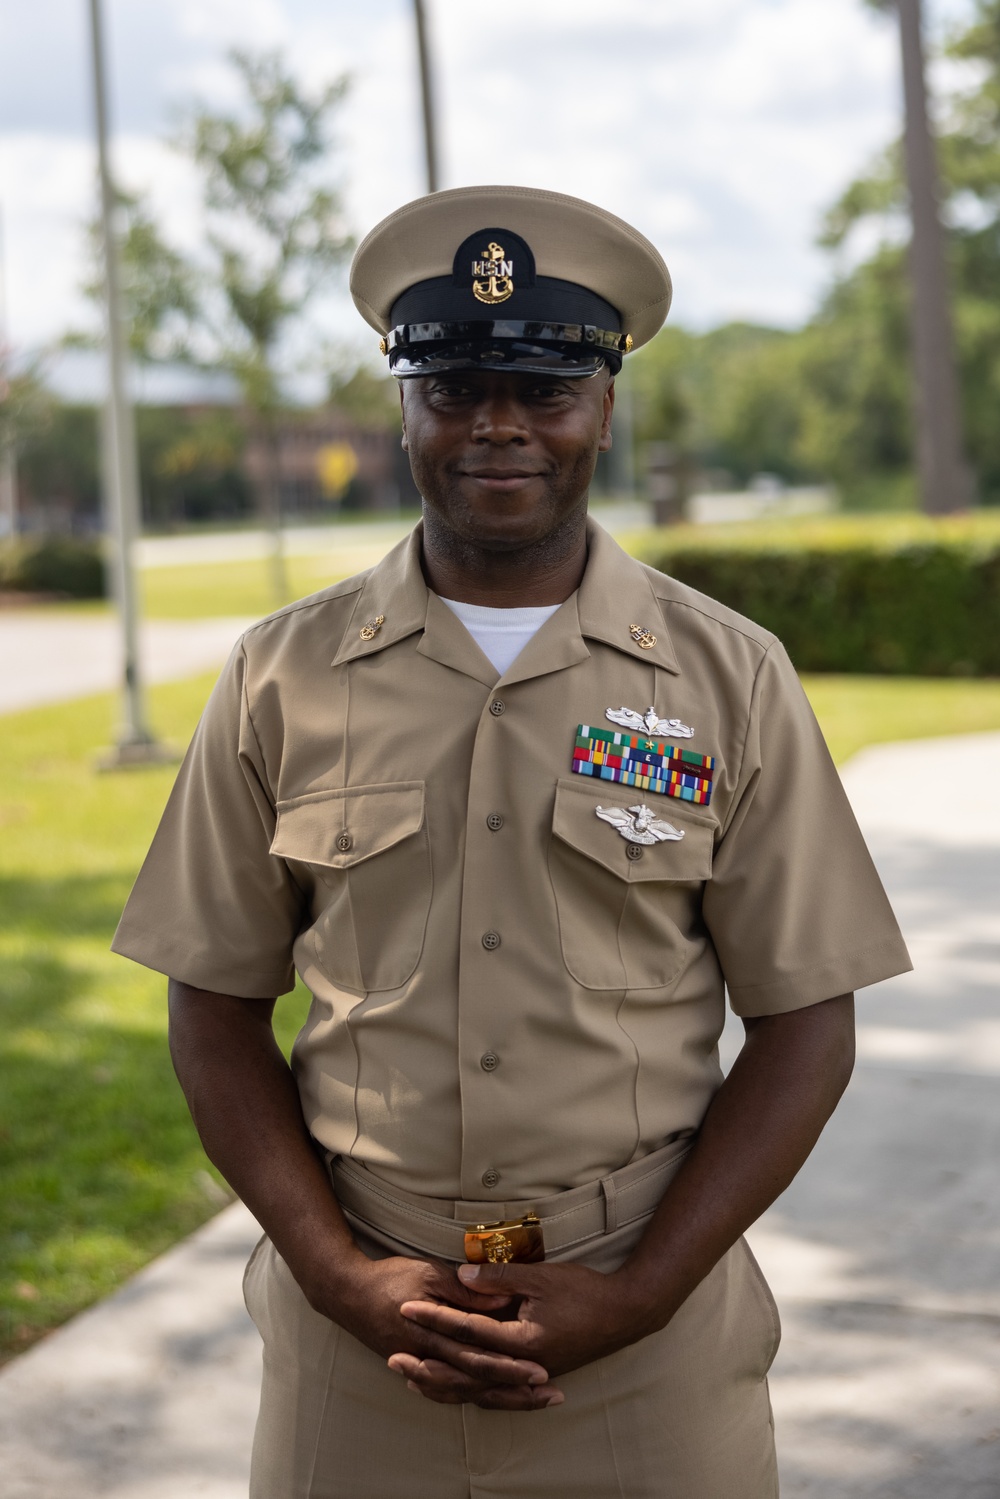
x=492 y=276
x=370 y=630
x=643 y=638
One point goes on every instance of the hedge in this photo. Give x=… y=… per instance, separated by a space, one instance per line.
x=918 y=598
x=53 y=564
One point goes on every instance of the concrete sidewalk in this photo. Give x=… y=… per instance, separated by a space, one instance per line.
x=883 y=1255
x=51 y=657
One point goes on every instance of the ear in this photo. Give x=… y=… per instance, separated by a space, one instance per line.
x=402 y=412
x=609 y=405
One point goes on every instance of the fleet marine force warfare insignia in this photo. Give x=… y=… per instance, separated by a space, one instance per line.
x=640 y=824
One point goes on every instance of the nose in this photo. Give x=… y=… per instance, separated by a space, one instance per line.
x=500 y=419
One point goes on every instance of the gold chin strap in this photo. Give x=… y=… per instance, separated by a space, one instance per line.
x=498 y=1243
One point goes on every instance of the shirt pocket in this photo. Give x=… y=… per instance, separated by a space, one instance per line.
x=367 y=850
x=625 y=922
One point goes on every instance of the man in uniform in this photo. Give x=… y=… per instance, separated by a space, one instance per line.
x=517 y=809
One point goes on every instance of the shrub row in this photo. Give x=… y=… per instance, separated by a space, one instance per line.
x=53 y=564
x=912 y=608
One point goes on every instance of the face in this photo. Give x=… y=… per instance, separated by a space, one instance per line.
x=502 y=459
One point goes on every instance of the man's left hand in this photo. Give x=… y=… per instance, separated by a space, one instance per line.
x=567 y=1316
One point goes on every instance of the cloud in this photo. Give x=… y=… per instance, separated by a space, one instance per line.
x=722 y=130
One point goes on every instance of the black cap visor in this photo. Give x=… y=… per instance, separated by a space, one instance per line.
x=563 y=350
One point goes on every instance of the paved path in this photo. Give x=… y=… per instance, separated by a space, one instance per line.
x=885 y=1253
x=47 y=656
x=53 y=655
x=308 y=541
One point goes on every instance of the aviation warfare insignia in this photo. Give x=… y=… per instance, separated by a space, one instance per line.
x=492 y=276
x=650 y=722
x=644 y=762
x=640 y=824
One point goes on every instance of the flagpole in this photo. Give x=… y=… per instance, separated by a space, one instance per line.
x=134 y=744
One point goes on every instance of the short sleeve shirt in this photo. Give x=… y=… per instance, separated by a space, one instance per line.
x=512 y=992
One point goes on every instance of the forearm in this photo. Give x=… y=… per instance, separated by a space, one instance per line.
x=245 y=1105
x=758 y=1132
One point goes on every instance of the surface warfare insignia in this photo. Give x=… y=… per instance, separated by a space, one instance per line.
x=646 y=763
x=629 y=719
x=492 y=276
x=640 y=824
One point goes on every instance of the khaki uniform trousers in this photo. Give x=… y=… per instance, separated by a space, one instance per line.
x=682 y=1414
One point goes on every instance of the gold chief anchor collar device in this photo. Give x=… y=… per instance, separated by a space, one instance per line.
x=508 y=278
x=501 y=1242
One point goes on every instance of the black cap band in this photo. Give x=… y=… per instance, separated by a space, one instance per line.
x=503 y=343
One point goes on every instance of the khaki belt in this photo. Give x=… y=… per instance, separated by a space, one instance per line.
x=446 y=1229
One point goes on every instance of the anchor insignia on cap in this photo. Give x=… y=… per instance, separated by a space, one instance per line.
x=495 y=275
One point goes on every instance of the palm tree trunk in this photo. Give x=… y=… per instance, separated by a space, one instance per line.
x=945 y=482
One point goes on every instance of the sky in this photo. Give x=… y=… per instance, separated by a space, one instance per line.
x=721 y=129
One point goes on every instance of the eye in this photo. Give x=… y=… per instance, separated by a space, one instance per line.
x=451 y=389
x=547 y=392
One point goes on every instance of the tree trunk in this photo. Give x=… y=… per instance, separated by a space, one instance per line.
x=270 y=496
x=945 y=482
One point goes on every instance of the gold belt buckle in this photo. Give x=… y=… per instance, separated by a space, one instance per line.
x=498 y=1243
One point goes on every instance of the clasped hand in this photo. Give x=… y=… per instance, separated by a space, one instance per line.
x=512 y=1327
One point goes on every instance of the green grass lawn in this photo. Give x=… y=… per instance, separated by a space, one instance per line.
x=210 y=590
x=100 y=1168
x=855 y=711
x=203 y=590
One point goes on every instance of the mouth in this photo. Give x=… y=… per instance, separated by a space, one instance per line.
x=501 y=480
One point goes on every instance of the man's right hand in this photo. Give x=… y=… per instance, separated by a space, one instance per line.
x=246 y=1106
x=367 y=1302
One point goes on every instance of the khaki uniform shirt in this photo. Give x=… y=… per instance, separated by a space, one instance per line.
x=509 y=998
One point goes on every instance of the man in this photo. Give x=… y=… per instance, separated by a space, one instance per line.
x=516 y=808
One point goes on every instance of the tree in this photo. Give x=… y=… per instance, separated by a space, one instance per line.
x=834 y=400
x=369 y=399
x=275 y=231
x=25 y=410
x=969 y=152
x=944 y=481
x=160 y=288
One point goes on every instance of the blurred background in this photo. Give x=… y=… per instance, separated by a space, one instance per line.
x=196 y=427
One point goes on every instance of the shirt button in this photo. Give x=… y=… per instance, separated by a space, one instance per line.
x=488 y=1061
x=491 y=941
x=634 y=851
x=494 y=822
x=491 y=1178
x=344 y=842
x=498 y=706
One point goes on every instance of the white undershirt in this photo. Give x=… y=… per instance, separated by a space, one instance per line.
x=501 y=634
